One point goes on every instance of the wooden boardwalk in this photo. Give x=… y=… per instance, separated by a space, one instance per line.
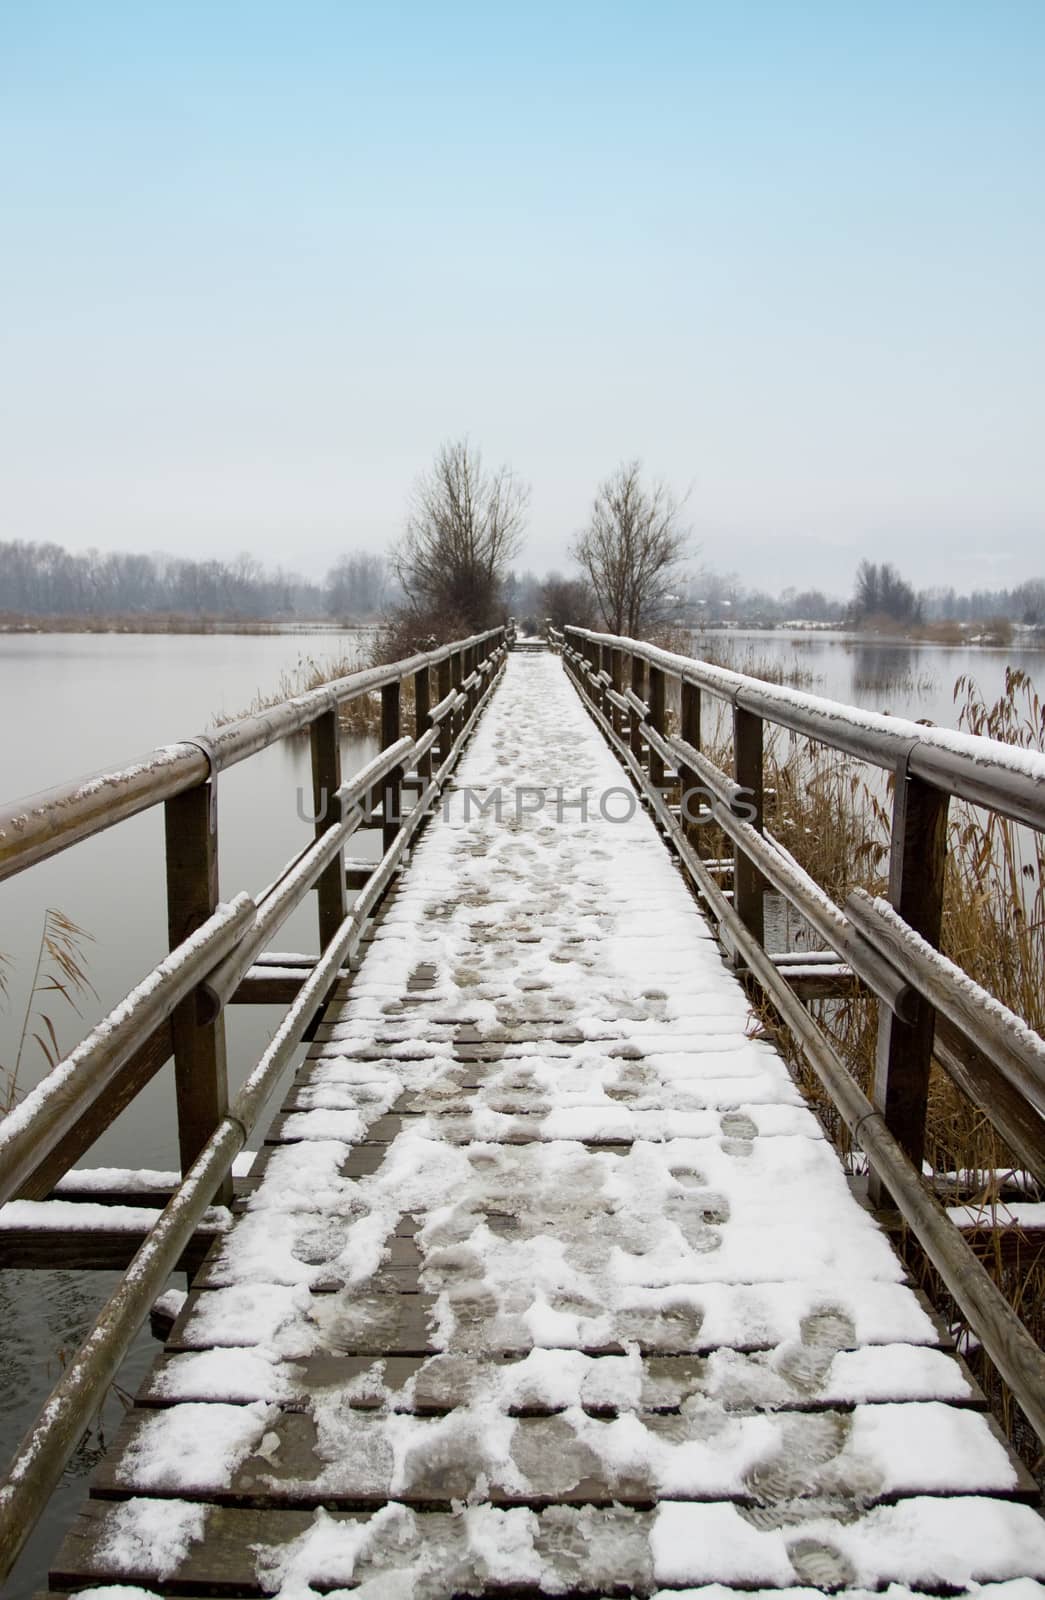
x=547 y=1281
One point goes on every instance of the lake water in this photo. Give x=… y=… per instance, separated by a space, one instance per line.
x=894 y=676
x=74 y=703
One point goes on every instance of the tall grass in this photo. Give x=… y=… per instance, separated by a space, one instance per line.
x=720 y=650
x=59 y=976
x=834 y=818
x=360 y=717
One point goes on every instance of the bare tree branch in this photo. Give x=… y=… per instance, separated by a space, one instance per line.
x=463 y=528
x=631 y=550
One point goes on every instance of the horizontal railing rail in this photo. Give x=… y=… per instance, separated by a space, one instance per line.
x=983 y=771
x=178 y=1008
x=41 y=825
x=929 y=1009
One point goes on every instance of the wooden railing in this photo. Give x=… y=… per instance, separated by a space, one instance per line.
x=177 y=1010
x=927 y=1007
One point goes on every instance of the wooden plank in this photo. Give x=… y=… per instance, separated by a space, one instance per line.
x=988 y=1089
x=617 y=674
x=326 y=780
x=658 y=722
x=903 y=1056
x=90 y=1249
x=748 y=883
x=383 y=1323
x=792 y=1453
x=386 y=1321
x=690 y=790
x=420 y=1385
x=637 y=684
x=607 y=1553
x=392 y=797
x=132 y=1077
x=200 y=1070
x=422 y=718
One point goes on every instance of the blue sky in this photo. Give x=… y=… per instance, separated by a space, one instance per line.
x=258 y=260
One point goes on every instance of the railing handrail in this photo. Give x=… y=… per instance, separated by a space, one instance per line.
x=919 y=986
x=43 y=824
x=1003 y=777
x=224 y=944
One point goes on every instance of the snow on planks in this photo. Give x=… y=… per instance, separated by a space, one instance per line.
x=547 y=1281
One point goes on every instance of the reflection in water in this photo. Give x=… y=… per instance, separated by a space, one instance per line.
x=115 y=696
x=44 y=1317
x=888 y=668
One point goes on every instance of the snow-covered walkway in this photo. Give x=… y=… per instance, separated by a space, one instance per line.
x=548 y=1278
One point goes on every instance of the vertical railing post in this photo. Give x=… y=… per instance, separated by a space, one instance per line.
x=605 y=660
x=617 y=674
x=392 y=786
x=473 y=692
x=326 y=779
x=200 y=1068
x=456 y=679
x=422 y=720
x=638 y=686
x=917 y=865
x=657 y=716
x=443 y=685
x=748 y=883
x=689 y=782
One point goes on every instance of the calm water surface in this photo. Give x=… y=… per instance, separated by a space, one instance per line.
x=76 y=703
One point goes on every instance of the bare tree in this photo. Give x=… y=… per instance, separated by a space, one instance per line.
x=356 y=585
x=463 y=528
x=631 y=550
x=881 y=592
x=567 y=600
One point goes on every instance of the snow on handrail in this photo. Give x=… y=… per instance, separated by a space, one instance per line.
x=1004 y=777
x=40 y=825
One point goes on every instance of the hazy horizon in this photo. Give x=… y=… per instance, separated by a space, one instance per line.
x=260 y=263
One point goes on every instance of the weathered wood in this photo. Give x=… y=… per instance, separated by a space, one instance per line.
x=692 y=794
x=1017 y=1052
x=998 y=780
x=326 y=781
x=422 y=720
x=444 y=688
x=200 y=1070
x=437 y=1384
x=604 y=1552
x=42 y=825
x=76 y=1396
x=658 y=721
x=457 y=719
x=557 y=1468
x=978 y=1077
x=917 y=862
x=1005 y=1339
x=90 y=1249
x=259 y=988
x=617 y=674
x=748 y=883
x=469 y=676
x=131 y=1078
x=192 y=891
x=392 y=799
x=79 y=1082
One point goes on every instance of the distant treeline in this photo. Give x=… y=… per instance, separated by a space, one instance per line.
x=45 y=580
x=1025 y=603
